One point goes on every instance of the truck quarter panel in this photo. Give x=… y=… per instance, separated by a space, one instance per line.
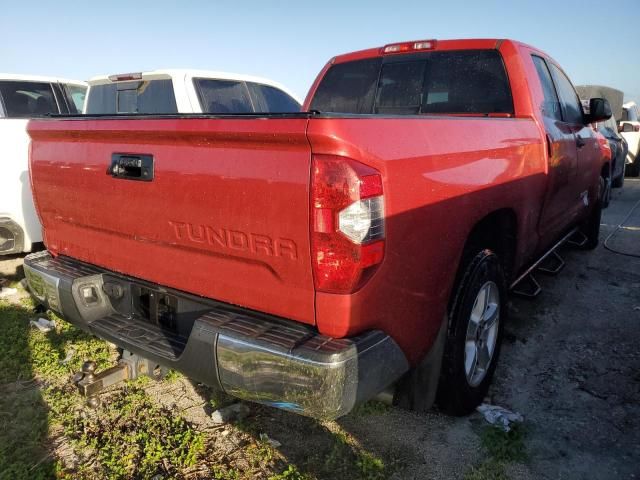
x=436 y=188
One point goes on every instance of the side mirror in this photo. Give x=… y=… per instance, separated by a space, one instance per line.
x=599 y=110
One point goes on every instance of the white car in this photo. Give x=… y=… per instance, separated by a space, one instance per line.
x=23 y=97
x=630 y=130
x=187 y=91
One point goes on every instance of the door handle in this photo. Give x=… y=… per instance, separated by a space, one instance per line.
x=580 y=142
x=132 y=166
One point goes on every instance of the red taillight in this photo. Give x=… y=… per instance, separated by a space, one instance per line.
x=636 y=128
x=409 y=46
x=347 y=222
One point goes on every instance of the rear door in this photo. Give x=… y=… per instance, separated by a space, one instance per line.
x=589 y=156
x=215 y=207
x=560 y=198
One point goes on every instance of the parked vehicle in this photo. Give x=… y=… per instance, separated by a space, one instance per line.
x=630 y=129
x=310 y=261
x=187 y=91
x=23 y=97
x=619 y=150
x=609 y=128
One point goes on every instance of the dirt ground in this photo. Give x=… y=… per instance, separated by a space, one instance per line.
x=570 y=366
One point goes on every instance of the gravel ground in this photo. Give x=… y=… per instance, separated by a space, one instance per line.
x=570 y=365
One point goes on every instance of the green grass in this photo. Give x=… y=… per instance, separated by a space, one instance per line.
x=505 y=446
x=502 y=448
x=132 y=437
x=489 y=470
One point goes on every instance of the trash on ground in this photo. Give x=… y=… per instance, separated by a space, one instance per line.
x=271 y=441
x=70 y=353
x=43 y=324
x=499 y=416
x=236 y=411
x=8 y=292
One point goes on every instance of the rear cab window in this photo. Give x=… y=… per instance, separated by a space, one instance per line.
x=448 y=82
x=223 y=96
x=138 y=96
x=26 y=99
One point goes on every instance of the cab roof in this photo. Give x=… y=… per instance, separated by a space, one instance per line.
x=39 y=78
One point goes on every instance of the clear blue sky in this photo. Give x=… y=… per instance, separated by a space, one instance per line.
x=289 y=41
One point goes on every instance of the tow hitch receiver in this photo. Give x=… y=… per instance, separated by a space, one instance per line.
x=130 y=366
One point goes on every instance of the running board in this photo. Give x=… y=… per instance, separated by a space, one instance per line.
x=526 y=284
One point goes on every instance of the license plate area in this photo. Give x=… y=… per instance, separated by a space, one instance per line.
x=156 y=307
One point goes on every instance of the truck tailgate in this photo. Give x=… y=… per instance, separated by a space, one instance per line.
x=216 y=207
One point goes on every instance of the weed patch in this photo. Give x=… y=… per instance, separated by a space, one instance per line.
x=133 y=438
x=505 y=446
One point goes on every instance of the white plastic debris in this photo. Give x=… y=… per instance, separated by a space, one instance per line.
x=43 y=324
x=271 y=441
x=70 y=353
x=8 y=292
x=236 y=411
x=499 y=416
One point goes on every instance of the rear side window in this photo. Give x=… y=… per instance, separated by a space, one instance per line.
x=75 y=95
x=568 y=96
x=223 y=96
x=551 y=105
x=348 y=87
x=270 y=99
x=147 y=96
x=466 y=82
x=27 y=99
x=457 y=82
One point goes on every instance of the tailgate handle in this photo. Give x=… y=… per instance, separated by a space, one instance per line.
x=128 y=166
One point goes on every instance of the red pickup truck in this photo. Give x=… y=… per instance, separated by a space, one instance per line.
x=311 y=261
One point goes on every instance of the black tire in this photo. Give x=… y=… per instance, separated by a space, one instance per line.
x=633 y=169
x=591 y=228
x=606 y=196
x=456 y=394
x=618 y=182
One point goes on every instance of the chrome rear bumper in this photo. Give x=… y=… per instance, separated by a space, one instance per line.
x=247 y=354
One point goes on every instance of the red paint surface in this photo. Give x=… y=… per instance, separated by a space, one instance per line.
x=249 y=180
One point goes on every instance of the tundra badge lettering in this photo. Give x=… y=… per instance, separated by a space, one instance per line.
x=257 y=244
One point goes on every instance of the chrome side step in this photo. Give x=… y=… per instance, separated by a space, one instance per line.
x=551 y=263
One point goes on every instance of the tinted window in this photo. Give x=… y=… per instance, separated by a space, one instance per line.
x=466 y=82
x=271 y=99
x=148 y=96
x=437 y=82
x=223 y=96
x=568 y=97
x=400 y=88
x=551 y=105
x=75 y=97
x=27 y=99
x=348 y=87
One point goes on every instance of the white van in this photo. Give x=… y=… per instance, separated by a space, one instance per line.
x=23 y=97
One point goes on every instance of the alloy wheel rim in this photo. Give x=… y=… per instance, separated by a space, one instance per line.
x=482 y=333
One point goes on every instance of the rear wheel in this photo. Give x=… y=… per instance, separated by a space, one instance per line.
x=476 y=320
x=633 y=169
